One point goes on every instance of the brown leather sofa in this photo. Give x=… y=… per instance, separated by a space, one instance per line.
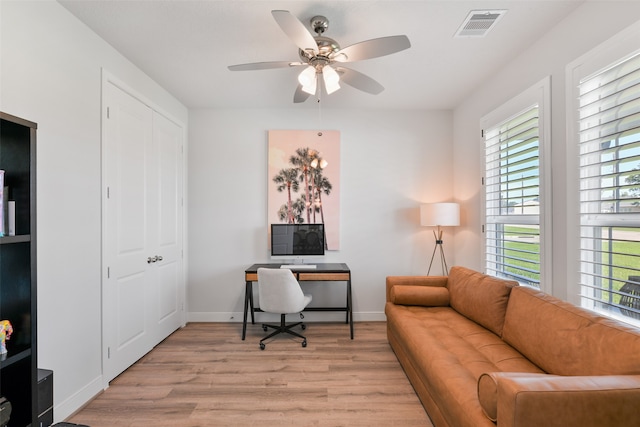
x=481 y=351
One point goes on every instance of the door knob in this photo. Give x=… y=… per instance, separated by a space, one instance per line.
x=152 y=259
x=159 y=257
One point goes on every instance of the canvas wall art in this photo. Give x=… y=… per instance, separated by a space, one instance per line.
x=304 y=180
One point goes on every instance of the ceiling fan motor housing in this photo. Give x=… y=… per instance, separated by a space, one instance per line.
x=320 y=24
x=326 y=47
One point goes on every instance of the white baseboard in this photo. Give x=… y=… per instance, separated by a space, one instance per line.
x=208 y=316
x=370 y=316
x=74 y=403
x=311 y=316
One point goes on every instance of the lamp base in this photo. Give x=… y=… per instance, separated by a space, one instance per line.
x=439 y=243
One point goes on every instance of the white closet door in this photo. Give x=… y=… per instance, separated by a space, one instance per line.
x=143 y=289
x=169 y=294
x=127 y=288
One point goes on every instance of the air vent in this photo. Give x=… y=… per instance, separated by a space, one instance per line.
x=479 y=22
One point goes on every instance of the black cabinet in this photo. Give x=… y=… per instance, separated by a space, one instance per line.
x=18 y=367
x=45 y=398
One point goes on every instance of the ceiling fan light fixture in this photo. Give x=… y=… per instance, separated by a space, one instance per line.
x=311 y=88
x=331 y=79
x=307 y=76
x=308 y=81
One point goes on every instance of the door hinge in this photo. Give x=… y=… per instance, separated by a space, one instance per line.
x=108 y=272
x=108 y=192
x=483 y=228
x=108 y=113
x=482 y=133
x=108 y=352
x=482 y=180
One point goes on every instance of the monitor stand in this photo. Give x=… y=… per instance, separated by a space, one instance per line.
x=299 y=266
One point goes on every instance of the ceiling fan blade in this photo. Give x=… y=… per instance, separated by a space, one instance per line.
x=359 y=81
x=263 y=65
x=295 y=30
x=373 y=48
x=300 y=95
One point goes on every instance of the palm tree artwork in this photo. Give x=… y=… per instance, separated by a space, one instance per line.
x=320 y=185
x=287 y=179
x=308 y=165
x=301 y=160
x=302 y=188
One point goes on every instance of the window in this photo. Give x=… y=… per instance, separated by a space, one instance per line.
x=514 y=139
x=609 y=154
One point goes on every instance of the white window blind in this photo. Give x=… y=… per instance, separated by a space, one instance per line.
x=512 y=198
x=609 y=139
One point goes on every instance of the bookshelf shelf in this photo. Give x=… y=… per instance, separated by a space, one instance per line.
x=6 y=240
x=15 y=358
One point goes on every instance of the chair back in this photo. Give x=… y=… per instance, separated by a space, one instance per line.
x=279 y=291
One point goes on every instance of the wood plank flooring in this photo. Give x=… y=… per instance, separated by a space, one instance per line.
x=205 y=375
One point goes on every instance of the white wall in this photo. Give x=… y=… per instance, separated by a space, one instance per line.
x=51 y=74
x=591 y=24
x=391 y=161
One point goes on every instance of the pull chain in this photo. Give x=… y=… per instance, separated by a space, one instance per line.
x=319 y=108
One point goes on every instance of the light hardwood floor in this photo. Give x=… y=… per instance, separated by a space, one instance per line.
x=205 y=375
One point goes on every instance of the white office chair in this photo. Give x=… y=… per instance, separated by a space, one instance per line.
x=279 y=292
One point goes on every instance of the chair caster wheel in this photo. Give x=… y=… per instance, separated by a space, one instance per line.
x=304 y=343
x=303 y=326
x=264 y=328
x=262 y=346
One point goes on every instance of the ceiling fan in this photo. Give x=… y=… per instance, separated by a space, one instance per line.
x=322 y=56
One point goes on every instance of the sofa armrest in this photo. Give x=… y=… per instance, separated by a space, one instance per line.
x=437 y=281
x=558 y=401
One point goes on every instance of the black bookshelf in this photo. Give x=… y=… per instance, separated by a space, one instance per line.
x=18 y=367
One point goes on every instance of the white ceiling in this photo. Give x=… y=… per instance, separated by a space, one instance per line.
x=186 y=46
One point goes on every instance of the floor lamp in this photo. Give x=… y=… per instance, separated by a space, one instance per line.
x=439 y=215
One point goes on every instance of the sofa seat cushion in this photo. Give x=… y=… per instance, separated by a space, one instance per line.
x=480 y=297
x=450 y=353
x=582 y=343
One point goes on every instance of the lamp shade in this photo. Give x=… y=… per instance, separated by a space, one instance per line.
x=440 y=214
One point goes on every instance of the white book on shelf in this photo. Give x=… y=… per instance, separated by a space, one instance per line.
x=11 y=218
x=5 y=210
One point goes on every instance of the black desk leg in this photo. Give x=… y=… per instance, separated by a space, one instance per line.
x=253 y=316
x=348 y=310
x=247 y=291
x=349 y=306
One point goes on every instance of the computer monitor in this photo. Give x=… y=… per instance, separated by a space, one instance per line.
x=297 y=242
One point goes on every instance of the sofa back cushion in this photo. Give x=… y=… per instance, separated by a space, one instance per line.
x=563 y=339
x=479 y=297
